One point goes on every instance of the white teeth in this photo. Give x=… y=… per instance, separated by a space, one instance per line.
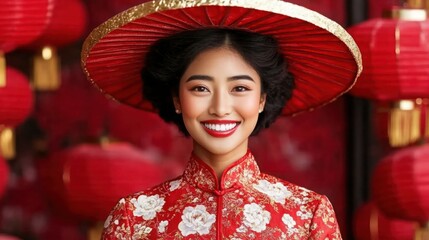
x=220 y=127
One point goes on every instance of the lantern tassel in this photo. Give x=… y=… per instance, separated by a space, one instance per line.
x=373 y=224
x=95 y=232
x=404 y=126
x=2 y=70
x=46 y=70
x=7 y=143
x=426 y=116
x=422 y=232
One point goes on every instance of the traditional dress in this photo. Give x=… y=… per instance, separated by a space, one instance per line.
x=244 y=204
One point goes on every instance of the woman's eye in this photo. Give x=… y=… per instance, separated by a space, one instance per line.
x=240 y=89
x=200 y=89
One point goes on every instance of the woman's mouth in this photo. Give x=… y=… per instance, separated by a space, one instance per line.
x=220 y=128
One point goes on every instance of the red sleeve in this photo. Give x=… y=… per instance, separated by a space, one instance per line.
x=117 y=225
x=324 y=224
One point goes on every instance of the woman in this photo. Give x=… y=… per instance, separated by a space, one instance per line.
x=222 y=71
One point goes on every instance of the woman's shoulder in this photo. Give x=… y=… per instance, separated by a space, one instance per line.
x=162 y=190
x=300 y=206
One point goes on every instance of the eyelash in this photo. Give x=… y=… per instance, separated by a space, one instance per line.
x=199 y=89
x=234 y=89
x=242 y=89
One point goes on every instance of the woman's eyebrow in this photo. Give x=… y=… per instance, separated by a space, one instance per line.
x=241 y=77
x=210 y=78
x=200 y=77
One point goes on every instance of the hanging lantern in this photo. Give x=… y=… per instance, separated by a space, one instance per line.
x=400 y=184
x=66 y=25
x=16 y=102
x=395 y=56
x=371 y=224
x=4 y=176
x=86 y=181
x=16 y=98
x=141 y=128
x=21 y=21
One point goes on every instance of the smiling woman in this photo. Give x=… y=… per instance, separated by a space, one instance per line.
x=222 y=71
x=219 y=118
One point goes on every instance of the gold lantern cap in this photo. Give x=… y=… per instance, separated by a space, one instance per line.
x=405 y=14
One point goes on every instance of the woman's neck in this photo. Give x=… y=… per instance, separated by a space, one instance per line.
x=219 y=162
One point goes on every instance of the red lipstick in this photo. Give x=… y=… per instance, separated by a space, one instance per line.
x=220 y=128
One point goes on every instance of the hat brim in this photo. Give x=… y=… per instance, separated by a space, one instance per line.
x=322 y=56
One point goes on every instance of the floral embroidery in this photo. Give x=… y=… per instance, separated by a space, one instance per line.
x=162 y=226
x=147 y=207
x=175 y=185
x=289 y=222
x=277 y=192
x=253 y=206
x=107 y=222
x=256 y=217
x=141 y=231
x=196 y=220
x=304 y=213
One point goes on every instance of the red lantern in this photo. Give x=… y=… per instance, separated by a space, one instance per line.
x=395 y=56
x=4 y=175
x=16 y=98
x=72 y=113
x=21 y=21
x=16 y=102
x=400 y=184
x=141 y=128
x=66 y=24
x=371 y=224
x=87 y=181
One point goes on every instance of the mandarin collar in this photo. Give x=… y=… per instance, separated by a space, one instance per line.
x=241 y=172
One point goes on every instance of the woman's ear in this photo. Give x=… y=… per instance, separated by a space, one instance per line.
x=177 y=105
x=262 y=102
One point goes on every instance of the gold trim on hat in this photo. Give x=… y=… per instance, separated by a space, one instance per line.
x=274 y=6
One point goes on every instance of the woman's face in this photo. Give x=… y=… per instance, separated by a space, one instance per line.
x=220 y=100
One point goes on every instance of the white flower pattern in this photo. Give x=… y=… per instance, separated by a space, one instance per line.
x=277 y=192
x=162 y=226
x=141 y=231
x=175 y=185
x=186 y=208
x=196 y=220
x=255 y=217
x=304 y=213
x=147 y=206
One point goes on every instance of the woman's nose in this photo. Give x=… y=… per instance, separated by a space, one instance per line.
x=221 y=104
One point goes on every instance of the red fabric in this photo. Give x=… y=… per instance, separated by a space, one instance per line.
x=371 y=224
x=66 y=24
x=87 y=180
x=400 y=184
x=22 y=21
x=395 y=56
x=242 y=204
x=16 y=98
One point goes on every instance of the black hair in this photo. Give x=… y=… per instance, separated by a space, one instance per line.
x=168 y=59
